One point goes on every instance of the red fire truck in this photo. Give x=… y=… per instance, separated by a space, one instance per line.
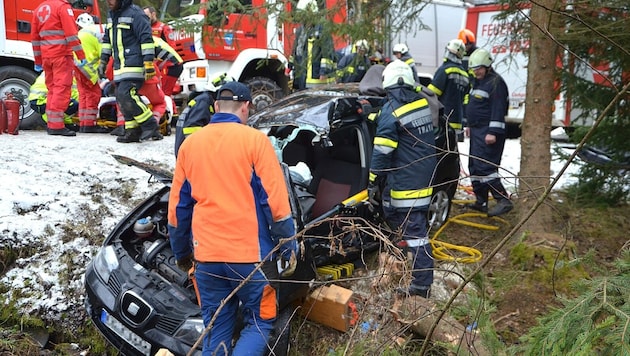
x=16 y=52
x=251 y=46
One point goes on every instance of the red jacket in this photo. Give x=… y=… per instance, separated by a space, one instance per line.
x=161 y=30
x=54 y=32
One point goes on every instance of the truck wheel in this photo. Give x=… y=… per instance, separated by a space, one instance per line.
x=264 y=92
x=17 y=81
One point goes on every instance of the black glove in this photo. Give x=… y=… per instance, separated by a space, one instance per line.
x=374 y=193
x=186 y=263
x=102 y=68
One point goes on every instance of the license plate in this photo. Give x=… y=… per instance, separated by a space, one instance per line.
x=124 y=333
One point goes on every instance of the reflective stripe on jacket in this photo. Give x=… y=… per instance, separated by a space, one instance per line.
x=53 y=32
x=128 y=39
x=488 y=103
x=404 y=148
x=165 y=54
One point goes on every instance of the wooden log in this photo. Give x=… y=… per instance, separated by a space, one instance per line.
x=419 y=314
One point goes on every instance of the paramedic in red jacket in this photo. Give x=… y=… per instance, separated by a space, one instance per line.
x=54 y=38
x=229 y=205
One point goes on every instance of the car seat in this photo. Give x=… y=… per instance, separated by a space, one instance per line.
x=338 y=173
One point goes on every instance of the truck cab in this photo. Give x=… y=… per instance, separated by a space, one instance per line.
x=16 y=52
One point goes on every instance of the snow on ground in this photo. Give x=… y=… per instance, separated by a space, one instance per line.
x=49 y=180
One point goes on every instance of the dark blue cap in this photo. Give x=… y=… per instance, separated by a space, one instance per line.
x=240 y=92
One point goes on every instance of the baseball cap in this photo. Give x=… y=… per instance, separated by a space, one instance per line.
x=240 y=92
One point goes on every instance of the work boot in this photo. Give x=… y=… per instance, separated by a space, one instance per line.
x=503 y=206
x=72 y=127
x=479 y=206
x=93 y=129
x=61 y=132
x=422 y=291
x=131 y=135
x=118 y=131
x=150 y=130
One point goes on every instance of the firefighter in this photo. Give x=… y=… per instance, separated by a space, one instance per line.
x=170 y=64
x=468 y=37
x=128 y=40
x=486 y=110
x=86 y=76
x=451 y=84
x=54 y=38
x=38 y=98
x=158 y=28
x=401 y=51
x=353 y=66
x=402 y=166
x=313 y=56
x=199 y=110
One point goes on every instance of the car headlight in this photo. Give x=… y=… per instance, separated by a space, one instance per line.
x=190 y=331
x=105 y=262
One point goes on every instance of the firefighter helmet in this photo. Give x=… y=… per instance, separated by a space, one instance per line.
x=307 y=5
x=400 y=48
x=480 y=57
x=467 y=36
x=398 y=73
x=456 y=47
x=84 y=20
x=217 y=80
x=362 y=44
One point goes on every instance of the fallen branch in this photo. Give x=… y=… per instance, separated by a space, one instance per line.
x=421 y=314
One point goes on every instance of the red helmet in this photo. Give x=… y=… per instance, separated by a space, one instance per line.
x=467 y=36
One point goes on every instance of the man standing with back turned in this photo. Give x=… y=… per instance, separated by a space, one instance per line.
x=54 y=38
x=229 y=205
x=128 y=39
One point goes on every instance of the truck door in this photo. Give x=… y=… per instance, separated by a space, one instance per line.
x=227 y=34
x=18 y=18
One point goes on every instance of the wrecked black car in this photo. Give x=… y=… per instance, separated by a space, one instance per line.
x=141 y=302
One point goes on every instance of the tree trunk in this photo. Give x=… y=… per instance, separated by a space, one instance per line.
x=536 y=131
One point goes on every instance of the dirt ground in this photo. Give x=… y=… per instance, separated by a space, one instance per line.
x=520 y=283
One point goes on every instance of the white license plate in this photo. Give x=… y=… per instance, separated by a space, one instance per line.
x=129 y=336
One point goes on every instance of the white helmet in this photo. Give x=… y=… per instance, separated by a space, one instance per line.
x=307 y=5
x=398 y=73
x=362 y=44
x=456 y=47
x=480 y=57
x=217 y=80
x=84 y=20
x=400 y=48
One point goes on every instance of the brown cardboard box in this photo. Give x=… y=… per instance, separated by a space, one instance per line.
x=328 y=305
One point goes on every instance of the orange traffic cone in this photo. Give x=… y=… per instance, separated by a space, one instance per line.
x=13 y=114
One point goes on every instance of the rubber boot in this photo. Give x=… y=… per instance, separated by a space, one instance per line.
x=150 y=130
x=481 y=196
x=61 y=132
x=131 y=135
x=118 y=131
x=504 y=205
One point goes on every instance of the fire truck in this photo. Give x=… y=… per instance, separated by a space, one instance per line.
x=251 y=46
x=16 y=52
x=510 y=60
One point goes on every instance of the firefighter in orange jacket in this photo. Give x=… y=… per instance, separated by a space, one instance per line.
x=54 y=38
x=232 y=212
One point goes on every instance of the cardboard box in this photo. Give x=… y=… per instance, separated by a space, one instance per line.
x=328 y=305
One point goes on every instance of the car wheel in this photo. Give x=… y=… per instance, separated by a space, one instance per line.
x=439 y=209
x=264 y=92
x=17 y=81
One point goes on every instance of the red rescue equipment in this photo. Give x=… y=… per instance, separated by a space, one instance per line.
x=13 y=114
x=3 y=118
